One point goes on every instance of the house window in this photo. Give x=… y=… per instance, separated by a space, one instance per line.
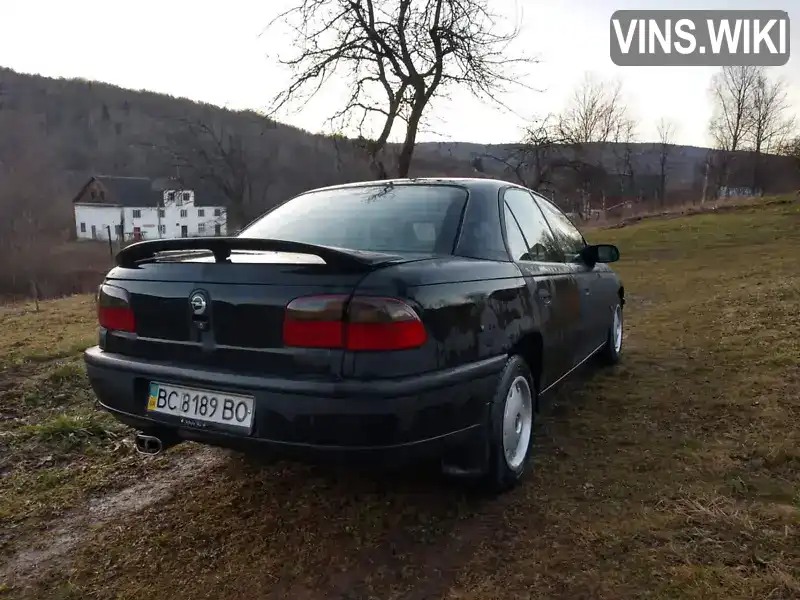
x=162 y=228
x=83 y=227
x=201 y=212
x=201 y=227
x=187 y=196
x=217 y=212
x=94 y=194
x=137 y=213
x=102 y=195
x=217 y=229
x=170 y=196
x=184 y=214
x=160 y=213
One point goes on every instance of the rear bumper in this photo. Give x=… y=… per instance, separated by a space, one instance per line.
x=415 y=417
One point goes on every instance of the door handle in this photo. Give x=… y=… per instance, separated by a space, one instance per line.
x=544 y=295
x=587 y=291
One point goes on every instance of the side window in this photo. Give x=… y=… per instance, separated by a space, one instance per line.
x=567 y=235
x=516 y=243
x=538 y=237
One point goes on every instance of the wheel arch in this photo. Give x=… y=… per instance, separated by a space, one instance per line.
x=529 y=347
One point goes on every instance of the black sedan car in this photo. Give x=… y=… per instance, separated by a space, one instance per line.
x=388 y=320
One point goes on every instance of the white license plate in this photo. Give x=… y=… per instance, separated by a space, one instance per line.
x=197 y=407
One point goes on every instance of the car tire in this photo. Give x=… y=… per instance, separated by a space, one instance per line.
x=612 y=349
x=510 y=428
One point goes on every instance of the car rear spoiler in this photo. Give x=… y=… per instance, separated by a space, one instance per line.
x=221 y=247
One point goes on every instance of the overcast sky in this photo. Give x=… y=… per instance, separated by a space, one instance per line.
x=213 y=51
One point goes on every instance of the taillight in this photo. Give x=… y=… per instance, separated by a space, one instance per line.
x=315 y=322
x=114 y=309
x=363 y=323
x=382 y=324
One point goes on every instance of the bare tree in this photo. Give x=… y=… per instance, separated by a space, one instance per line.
x=535 y=161
x=396 y=56
x=205 y=152
x=767 y=121
x=791 y=148
x=622 y=148
x=666 y=135
x=595 y=120
x=28 y=212
x=731 y=121
x=596 y=114
x=732 y=93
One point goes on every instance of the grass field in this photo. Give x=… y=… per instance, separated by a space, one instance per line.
x=675 y=474
x=56 y=449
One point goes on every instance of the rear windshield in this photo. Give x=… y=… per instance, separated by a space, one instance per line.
x=382 y=218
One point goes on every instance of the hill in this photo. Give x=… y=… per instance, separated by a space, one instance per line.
x=55 y=133
x=74 y=128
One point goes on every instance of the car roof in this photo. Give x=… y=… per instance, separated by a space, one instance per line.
x=468 y=182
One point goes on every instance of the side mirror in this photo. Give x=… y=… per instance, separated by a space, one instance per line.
x=600 y=253
x=607 y=253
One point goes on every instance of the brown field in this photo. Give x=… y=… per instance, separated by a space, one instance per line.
x=675 y=474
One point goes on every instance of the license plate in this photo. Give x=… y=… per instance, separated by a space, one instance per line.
x=198 y=407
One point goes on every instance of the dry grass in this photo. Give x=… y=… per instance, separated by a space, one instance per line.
x=60 y=329
x=649 y=210
x=673 y=475
x=56 y=449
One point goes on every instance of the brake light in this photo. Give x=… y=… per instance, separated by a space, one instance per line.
x=382 y=324
x=315 y=322
x=114 y=310
x=363 y=323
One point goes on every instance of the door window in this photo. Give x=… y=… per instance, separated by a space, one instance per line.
x=516 y=241
x=538 y=239
x=567 y=235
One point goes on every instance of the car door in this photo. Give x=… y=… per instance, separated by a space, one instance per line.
x=550 y=281
x=594 y=317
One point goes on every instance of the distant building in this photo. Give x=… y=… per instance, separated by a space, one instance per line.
x=135 y=208
x=740 y=191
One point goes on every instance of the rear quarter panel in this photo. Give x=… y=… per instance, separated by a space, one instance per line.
x=472 y=310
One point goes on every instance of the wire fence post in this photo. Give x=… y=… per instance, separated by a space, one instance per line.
x=35 y=294
x=110 y=245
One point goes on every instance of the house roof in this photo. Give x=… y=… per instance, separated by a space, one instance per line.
x=125 y=191
x=131 y=191
x=141 y=191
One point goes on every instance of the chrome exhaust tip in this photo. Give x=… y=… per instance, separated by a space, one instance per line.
x=148 y=444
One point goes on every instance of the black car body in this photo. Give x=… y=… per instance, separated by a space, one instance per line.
x=389 y=319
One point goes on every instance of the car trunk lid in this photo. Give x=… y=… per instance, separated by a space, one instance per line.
x=240 y=288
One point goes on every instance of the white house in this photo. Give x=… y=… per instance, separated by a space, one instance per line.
x=134 y=208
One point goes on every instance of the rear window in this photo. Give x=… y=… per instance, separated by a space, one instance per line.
x=381 y=218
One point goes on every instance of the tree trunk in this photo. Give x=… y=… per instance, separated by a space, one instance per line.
x=757 y=169
x=236 y=216
x=406 y=153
